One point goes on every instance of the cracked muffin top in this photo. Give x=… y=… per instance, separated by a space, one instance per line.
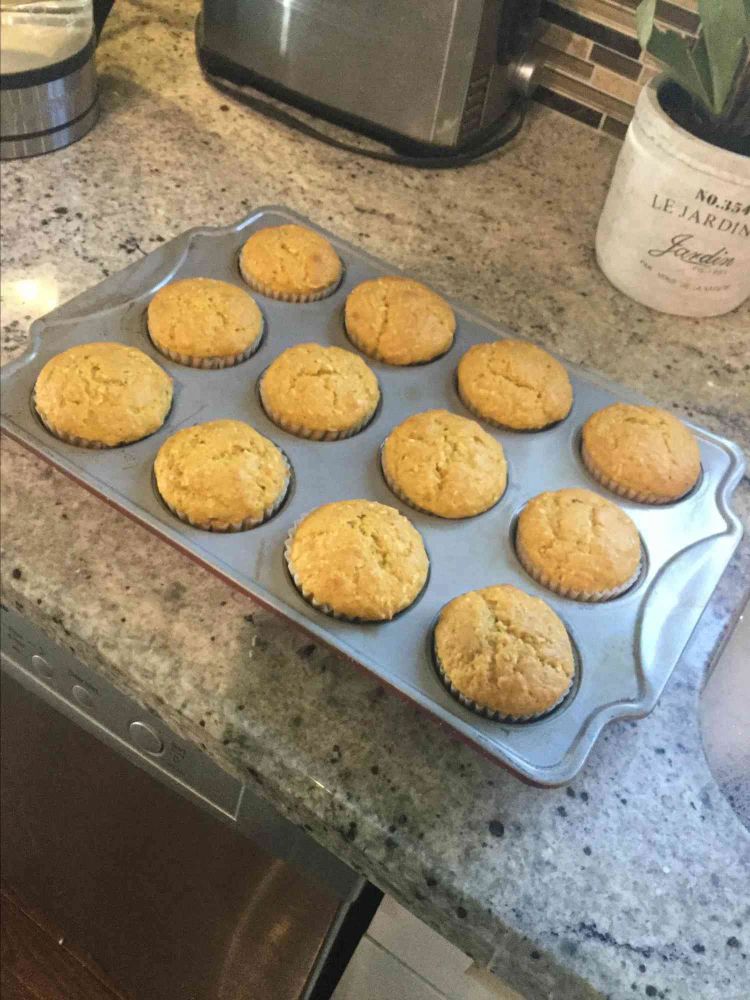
x=514 y=384
x=319 y=392
x=204 y=318
x=358 y=559
x=102 y=394
x=641 y=452
x=221 y=475
x=399 y=321
x=444 y=464
x=505 y=651
x=290 y=262
x=578 y=544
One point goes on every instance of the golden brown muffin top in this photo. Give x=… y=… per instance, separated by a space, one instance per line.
x=221 y=473
x=643 y=449
x=514 y=384
x=445 y=464
x=360 y=558
x=399 y=321
x=103 y=392
x=584 y=542
x=204 y=318
x=290 y=259
x=320 y=388
x=505 y=650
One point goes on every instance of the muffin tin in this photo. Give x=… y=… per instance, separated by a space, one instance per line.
x=627 y=647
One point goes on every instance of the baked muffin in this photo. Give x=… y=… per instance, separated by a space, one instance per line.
x=503 y=653
x=641 y=452
x=103 y=394
x=357 y=559
x=578 y=544
x=510 y=383
x=319 y=392
x=399 y=321
x=204 y=323
x=444 y=464
x=290 y=262
x=221 y=476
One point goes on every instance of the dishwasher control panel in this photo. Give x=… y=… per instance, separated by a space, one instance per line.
x=55 y=674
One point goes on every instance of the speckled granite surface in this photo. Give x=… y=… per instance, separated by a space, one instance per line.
x=634 y=881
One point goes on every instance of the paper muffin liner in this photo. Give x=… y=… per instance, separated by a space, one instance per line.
x=273 y=293
x=225 y=527
x=326 y=609
x=484 y=710
x=398 y=492
x=577 y=595
x=496 y=423
x=639 y=496
x=214 y=362
x=310 y=434
x=80 y=442
x=377 y=356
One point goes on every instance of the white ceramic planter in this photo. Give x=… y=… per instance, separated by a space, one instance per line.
x=674 y=232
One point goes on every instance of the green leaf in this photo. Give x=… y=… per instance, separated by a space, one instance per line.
x=724 y=27
x=644 y=20
x=674 y=51
x=699 y=54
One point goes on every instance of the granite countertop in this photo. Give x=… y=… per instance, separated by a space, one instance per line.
x=634 y=880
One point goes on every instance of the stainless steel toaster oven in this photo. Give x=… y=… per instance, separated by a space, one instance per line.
x=438 y=74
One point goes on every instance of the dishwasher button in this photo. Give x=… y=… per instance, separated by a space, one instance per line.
x=146 y=738
x=84 y=698
x=41 y=666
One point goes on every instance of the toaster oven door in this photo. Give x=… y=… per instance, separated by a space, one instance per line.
x=400 y=65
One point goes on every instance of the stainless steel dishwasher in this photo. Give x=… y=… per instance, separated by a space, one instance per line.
x=177 y=880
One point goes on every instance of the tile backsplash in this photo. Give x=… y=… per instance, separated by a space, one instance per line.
x=593 y=67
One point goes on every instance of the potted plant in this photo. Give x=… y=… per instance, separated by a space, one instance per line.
x=674 y=233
